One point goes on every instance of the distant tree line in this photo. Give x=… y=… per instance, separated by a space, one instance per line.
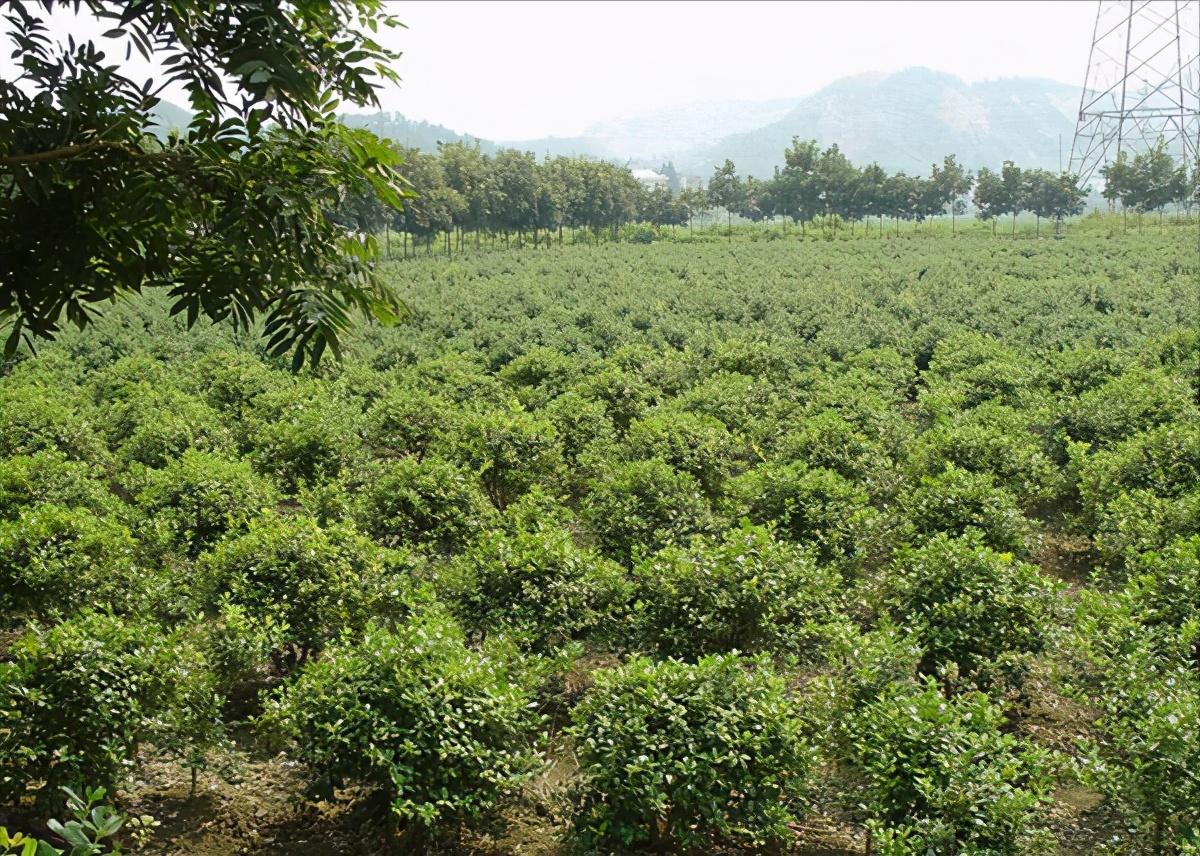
x=464 y=195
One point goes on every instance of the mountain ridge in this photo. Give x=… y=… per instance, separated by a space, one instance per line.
x=904 y=120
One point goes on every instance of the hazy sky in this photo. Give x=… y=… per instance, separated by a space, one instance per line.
x=512 y=70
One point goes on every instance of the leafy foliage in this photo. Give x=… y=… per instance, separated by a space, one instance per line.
x=128 y=675
x=940 y=774
x=229 y=216
x=689 y=756
x=974 y=610
x=442 y=729
x=644 y=504
x=743 y=592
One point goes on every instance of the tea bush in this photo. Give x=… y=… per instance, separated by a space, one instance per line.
x=956 y=502
x=48 y=477
x=76 y=701
x=970 y=606
x=428 y=502
x=443 y=730
x=689 y=757
x=198 y=497
x=536 y=583
x=316 y=581
x=54 y=560
x=809 y=505
x=941 y=775
x=644 y=505
x=744 y=591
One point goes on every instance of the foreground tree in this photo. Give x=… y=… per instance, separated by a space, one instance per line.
x=228 y=216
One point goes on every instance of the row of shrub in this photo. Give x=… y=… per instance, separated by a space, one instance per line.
x=822 y=574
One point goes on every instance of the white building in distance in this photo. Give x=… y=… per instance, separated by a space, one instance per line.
x=650 y=179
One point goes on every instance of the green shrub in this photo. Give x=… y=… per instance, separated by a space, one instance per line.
x=302 y=435
x=999 y=442
x=1146 y=742
x=458 y=377
x=745 y=592
x=533 y=582
x=443 y=730
x=48 y=477
x=239 y=645
x=688 y=757
x=54 y=560
x=509 y=449
x=539 y=375
x=317 y=581
x=940 y=775
x=77 y=700
x=969 y=605
x=579 y=423
x=643 y=505
x=1125 y=405
x=405 y=422
x=1140 y=521
x=735 y=400
x=955 y=502
x=230 y=381
x=697 y=445
x=200 y=496
x=624 y=394
x=959 y=380
x=1164 y=585
x=810 y=506
x=429 y=501
x=36 y=418
x=829 y=440
x=1163 y=460
x=154 y=426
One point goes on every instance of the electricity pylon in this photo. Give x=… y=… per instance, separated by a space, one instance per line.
x=1142 y=85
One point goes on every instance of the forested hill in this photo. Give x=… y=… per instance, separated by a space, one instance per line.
x=902 y=120
x=393 y=126
x=411 y=132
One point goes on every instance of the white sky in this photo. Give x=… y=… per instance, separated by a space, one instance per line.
x=513 y=70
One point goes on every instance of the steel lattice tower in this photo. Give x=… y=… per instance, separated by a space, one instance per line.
x=1143 y=84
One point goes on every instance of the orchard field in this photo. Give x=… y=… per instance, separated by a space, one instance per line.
x=771 y=544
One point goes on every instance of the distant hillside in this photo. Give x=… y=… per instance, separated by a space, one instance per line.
x=909 y=119
x=410 y=132
x=393 y=126
x=169 y=117
x=666 y=133
x=906 y=120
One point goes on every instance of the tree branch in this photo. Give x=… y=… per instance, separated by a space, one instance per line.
x=65 y=152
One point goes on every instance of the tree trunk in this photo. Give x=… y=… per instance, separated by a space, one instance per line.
x=1038 y=229
x=1014 y=224
x=729 y=222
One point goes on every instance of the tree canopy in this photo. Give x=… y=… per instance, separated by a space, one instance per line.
x=228 y=215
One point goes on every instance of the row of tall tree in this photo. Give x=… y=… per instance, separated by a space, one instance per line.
x=462 y=194
x=1150 y=181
